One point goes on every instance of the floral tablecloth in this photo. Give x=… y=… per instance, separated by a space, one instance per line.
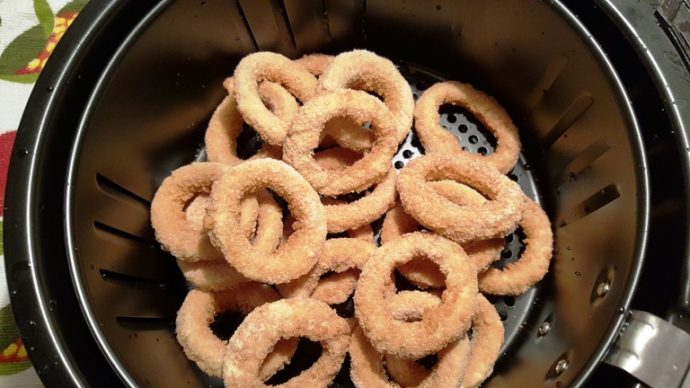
x=29 y=31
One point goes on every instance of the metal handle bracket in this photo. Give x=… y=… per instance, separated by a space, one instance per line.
x=653 y=351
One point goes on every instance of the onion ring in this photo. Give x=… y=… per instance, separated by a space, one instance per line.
x=364 y=70
x=315 y=64
x=212 y=275
x=226 y=123
x=499 y=215
x=423 y=273
x=338 y=255
x=303 y=138
x=533 y=264
x=183 y=238
x=265 y=66
x=363 y=211
x=299 y=253
x=481 y=252
x=346 y=132
x=487 y=338
x=287 y=318
x=217 y=275
x=367 y=364
x=438 y=327
x=409 y=306
x=201 y=345
x=436 y=139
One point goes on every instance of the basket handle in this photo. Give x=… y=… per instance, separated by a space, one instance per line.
x=652 y=350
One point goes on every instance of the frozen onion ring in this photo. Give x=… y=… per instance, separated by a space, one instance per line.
x=487 y=338
x=265 y=233
x=202 y=346
x=435 y=330
x=367 y=364
x=304 y=136
x=517 y=277
x=423 y=273
x=363 y=211
x=226 y=123
x=364 y=70
x=316 y=64
x=287 y=318
x=338 y=255
x=266 y=66
x=485 y=108
x=499 y=215
x=410 y=306
x=183 y=238
x=299 y=253
x=212 y=275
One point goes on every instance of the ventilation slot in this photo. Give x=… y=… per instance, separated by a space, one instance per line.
x=582 y=161
x=130 y=281
x=568 y=118
x=120 y=192
x=268 y=25
x=553 y=70
x=308 y=24
x=345 y=21
x=590 y=205
x=122 y=234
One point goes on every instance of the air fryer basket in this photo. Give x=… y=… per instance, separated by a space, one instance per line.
x=582 y=160
x=148 y=110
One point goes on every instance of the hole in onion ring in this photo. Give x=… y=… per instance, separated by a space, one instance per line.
x=458 y=118
x=428 y=362
x=509 y=301
x=249 y=142
x=513 y=251
x=345 y=309
x=226 y=323
x=415 y=142
x=305 y=356
x=419 y=271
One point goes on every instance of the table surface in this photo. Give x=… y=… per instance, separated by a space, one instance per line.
x=29 y=31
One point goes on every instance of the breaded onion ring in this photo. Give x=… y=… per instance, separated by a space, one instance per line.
x=304 y=133
x=266 y=66
x=212 y=275
x=336 y=158
x=296 y=317
x=439 y=326
x=409 y=306
x=347 y=133
x=226 y=122
x=338 y=255
x=299 y=253
x=487 y=337
x=363 y=211
x=423 y=273
x=216 y=275
x=315 y=64
x=517 y=277
x=201 y=345
x=367 y=364
x=499 y=215
x=364 y=70
x=184 y=239
x=436 y=139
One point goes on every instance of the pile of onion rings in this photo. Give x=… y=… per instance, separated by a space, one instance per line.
x=286 y=237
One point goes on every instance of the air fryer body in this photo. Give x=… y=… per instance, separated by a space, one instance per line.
x=128 y=95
